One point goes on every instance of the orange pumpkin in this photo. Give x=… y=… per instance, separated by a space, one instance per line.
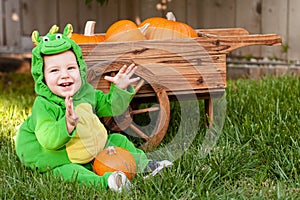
x=161 y=28
x=115 y=159
x=81 y=39
x=124 y=30
x=88 y=36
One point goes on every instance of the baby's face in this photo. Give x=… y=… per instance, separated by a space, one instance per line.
x=62 y=74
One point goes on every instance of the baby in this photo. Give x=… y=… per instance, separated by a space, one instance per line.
x=63 y=134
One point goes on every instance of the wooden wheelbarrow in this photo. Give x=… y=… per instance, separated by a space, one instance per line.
x=170 y=70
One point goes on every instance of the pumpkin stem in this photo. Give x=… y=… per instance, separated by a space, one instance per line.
x=144 y=28
x=89 y=28
x=171 y=16
x=111 y=150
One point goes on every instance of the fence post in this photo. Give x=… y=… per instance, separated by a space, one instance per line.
x=11 y=24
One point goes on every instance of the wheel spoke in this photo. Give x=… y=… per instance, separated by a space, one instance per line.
x=160 y=105
x=144 y=110
x=139 y=85
x=139 y=132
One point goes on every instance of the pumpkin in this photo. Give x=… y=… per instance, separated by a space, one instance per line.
x=88 y=36
x=125 y=30
x=113 y=159
x=161 y=28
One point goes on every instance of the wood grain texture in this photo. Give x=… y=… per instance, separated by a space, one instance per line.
x=195 y=65
x=171 y=70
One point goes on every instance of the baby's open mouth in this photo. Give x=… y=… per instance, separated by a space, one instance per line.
x=65 y=84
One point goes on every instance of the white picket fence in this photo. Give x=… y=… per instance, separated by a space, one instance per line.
x=21 y=17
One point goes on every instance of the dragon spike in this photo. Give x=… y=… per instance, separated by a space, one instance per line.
x=54 y=29
x=35 y=37
x=68 y=30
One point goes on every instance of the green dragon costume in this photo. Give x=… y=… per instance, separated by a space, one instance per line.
x=43 y=142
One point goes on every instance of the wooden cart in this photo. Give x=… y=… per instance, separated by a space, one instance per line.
x=169 y=70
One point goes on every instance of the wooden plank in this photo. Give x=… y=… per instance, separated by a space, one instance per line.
x=137 y=11
x=208 y=104
x=12 y=23
x=26 y=44
x=67 y=13
x=38 y=15
x=227 y=44
x=293 y=33
x=128 y=9
x=2 y=28
x=181 y=69
x=179 y=95
x=274 y=20
x=179 y=9
x=205 y=45
x=87 y=13
x=250 y=21
x=192 y=14
x=107 y=15
x=217 y=13
x=222 y=32
x=103 y=15
x=177 y=65
x=148 y=9
x=210 y=14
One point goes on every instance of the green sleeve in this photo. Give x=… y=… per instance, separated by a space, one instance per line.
x=50 y=124
x=115 y=102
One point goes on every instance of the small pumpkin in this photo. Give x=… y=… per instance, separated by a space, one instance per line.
x=125 y=30
x=88 y=36
x=169 y=28
x=113 y=159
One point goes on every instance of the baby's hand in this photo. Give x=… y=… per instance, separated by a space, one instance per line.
x=71 y=117
x=123 y=77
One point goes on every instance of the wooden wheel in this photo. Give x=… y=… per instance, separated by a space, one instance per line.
x=156 y=107
x=161 y=111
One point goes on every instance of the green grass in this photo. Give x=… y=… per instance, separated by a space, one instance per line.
x=257 y=155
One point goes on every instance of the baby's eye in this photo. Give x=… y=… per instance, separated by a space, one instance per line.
x=58 y=36
x=53 y=70
x=72 y=67
x=45 y=39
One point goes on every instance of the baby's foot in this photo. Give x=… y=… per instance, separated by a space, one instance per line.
x=154 y=167
x=118 y=182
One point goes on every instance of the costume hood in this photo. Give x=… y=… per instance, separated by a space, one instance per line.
x=55 y=43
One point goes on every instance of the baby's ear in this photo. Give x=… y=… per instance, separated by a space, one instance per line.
x=68 y=30
x=35 y=37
